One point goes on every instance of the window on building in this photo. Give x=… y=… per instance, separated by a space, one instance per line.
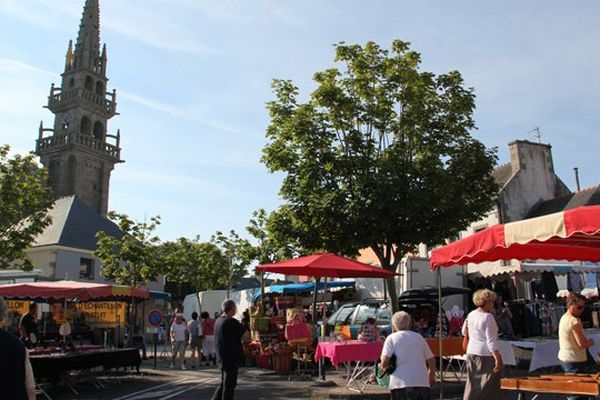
x=86 y=268
x=98 y=130
x=89 y=83
x=99 y=88
x=85 y=125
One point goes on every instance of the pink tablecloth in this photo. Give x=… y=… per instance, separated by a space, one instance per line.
x=352 y=350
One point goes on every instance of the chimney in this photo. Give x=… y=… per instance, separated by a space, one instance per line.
x=524 y=154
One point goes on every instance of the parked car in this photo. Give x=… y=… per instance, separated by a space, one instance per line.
x=422 y=304
x=355 y=314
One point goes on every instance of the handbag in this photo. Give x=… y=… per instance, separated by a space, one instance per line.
x=380 y=373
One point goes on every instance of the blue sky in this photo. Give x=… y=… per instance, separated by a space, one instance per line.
x=193 y=77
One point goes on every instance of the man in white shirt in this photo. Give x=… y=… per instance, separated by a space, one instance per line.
x=415 y=365
x=179 y=333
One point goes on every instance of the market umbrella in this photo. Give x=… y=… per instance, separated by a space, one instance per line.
x=325 y=265
x=572 y=235
x=71 y=290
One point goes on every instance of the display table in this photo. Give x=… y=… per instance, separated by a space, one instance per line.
x=559 y=384
x=544 y=351
x=53 y=366
x=364 y=354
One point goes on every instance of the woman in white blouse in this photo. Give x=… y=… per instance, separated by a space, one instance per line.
x=484 y=363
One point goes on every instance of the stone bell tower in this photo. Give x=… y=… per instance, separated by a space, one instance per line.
x=77 y=150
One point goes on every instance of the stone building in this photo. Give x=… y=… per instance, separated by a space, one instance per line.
x=526 y=181
x=529 y=188
x=80 y=155
x=78 y=151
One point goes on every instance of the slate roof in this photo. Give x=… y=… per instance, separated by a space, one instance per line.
x=502 y=174
x=75 y=224
x=586 y=197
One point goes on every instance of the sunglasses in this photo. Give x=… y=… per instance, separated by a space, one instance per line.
x=579 y=307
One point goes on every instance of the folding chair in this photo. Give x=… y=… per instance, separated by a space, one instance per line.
x=455 y=365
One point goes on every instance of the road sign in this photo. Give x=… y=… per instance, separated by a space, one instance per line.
x=155 y=318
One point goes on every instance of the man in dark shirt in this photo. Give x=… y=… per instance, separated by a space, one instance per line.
x=28 y=327
x=13 y=358
x=228 y=340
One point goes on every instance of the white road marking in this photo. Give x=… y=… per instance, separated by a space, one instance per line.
x=177 y=394
x=126 y=397
x=167 y=393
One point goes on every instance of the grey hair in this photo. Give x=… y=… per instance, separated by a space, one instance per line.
x=228 y=305
x=402 y=321
x=3 y=309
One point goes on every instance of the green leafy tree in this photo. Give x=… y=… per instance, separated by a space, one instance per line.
x=24 y=203
x=271 y=245
x=201 y=264
x=134 y=258
x=237 y=251
x=379 y=156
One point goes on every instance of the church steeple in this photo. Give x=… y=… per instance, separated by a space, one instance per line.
x=87 y=47
x=78 y=151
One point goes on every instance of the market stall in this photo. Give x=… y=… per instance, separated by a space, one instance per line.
x=326 y=265
x=89 y=306
x=572 y=235
x=101 y=305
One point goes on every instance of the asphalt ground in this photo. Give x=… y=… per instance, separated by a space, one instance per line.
x=164 y=383
x=177 y=385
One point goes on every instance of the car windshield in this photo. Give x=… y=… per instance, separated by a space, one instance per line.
x=341 y=316
x=384 y=316
x=366 y=311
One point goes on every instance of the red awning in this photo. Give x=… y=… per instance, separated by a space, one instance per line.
x=572 y=235
x=326 y=265
x=71 y=290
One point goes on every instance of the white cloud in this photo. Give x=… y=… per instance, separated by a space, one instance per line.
x=154 y=26
x=249 y=12
x=190 y=112
x=180 y=183
x=139 y=20
x=24 y=88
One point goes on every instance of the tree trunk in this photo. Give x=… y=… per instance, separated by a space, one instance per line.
x=391 y=287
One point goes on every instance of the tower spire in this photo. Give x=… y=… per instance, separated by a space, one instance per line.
x=87 y=47
x=69 y=57
x=79 y=150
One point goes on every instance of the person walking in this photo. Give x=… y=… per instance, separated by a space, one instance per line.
x=178 y=334
x=484 y=362
x=415 y=365
x=28 y=327
x=208 y=344
x=573 y=343
x=230 y=355
x=16 y=375
x=195 y=332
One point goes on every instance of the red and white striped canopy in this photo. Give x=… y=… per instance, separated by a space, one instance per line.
x=572 y=235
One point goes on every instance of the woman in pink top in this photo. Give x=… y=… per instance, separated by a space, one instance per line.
x=208 y=345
